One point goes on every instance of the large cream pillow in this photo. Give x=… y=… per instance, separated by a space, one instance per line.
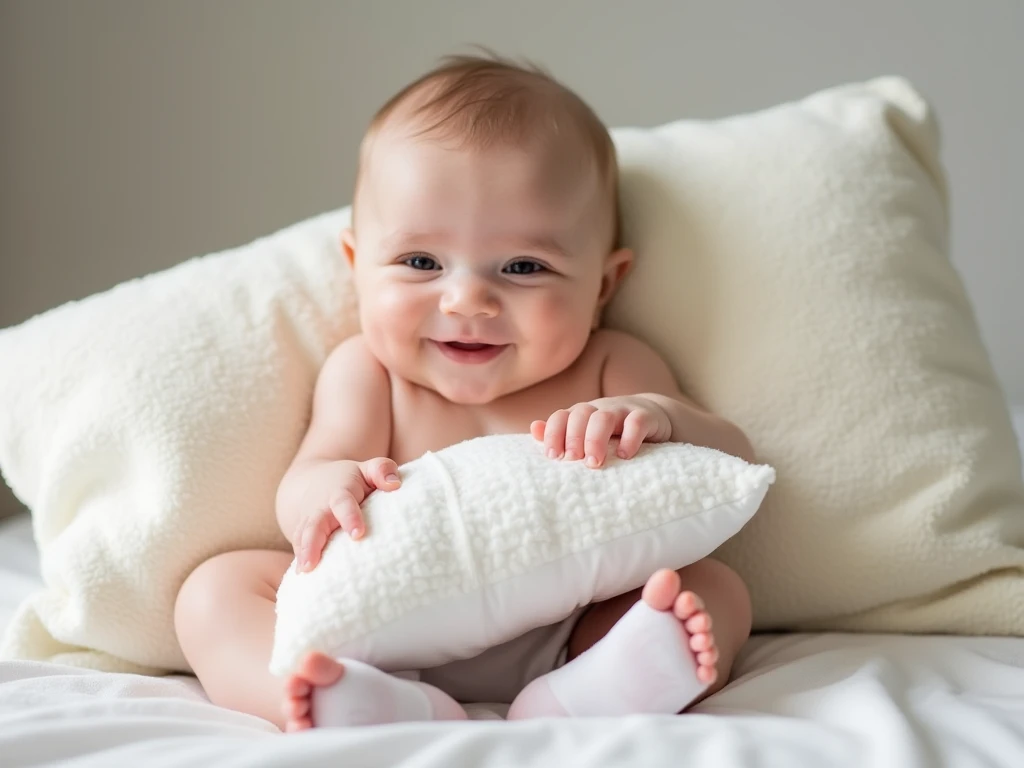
x=792 y=267
x=147 y=429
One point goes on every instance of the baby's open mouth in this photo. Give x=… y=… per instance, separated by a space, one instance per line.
x=470 y=352
x=466 y=345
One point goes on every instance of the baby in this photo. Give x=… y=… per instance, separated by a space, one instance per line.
x=484 y=248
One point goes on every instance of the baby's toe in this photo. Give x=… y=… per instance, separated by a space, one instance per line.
x=295 y=687
x=699 y=622
x=661 y=590
x=686 y=605
x=708 y=658
x=707 y=675
x=320 y=669
x=302 y=724
x=293 y=709
x=701 y=641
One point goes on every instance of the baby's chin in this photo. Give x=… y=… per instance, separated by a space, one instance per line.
x=459 y=393
x=475 y=392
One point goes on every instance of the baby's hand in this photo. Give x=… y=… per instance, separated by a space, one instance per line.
x=585 y=431
x=338 y=489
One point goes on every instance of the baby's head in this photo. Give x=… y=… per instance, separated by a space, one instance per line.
x=484 y=238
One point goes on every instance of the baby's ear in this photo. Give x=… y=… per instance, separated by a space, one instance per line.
x=616 y=267
x=348 y=245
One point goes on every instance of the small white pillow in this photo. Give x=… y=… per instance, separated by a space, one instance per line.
x=488 y=539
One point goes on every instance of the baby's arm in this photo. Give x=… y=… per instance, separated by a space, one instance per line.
x=633 y=368
x=640 y=402
x=340 y=459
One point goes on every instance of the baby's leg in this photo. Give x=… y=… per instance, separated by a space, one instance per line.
x=224 y=617
x=659 y=650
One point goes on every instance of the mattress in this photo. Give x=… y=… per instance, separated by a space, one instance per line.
x=795 y=700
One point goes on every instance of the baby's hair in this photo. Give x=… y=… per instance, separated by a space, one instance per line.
x=484 y=101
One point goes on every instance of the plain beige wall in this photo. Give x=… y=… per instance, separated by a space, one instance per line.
x=135 y=134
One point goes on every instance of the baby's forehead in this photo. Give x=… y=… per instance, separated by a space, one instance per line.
x=474 y=117
x=420 y=183
x=549 y=158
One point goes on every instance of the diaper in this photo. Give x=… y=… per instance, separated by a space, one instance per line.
x=498 y=674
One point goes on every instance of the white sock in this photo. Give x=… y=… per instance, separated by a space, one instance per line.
x=366 y=696
x=642 y=666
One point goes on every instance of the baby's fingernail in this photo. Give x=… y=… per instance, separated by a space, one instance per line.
x=357 y=533
x=552 y=453
x=392 y=478
x=592 y=462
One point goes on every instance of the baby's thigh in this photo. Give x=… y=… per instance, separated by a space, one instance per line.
x=220 y=586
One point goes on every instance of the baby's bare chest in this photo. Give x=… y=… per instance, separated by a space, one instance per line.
x=423 y=421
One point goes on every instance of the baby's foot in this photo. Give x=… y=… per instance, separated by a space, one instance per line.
x=663 y=592
x=658 y=658
x=327 y=692
x=316 y=670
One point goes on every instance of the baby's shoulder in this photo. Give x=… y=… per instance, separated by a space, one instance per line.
x=630 y=365
x=606 y=343
x=353 y=360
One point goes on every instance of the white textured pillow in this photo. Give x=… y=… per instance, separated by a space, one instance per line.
x=488 y=539
x=792 y=267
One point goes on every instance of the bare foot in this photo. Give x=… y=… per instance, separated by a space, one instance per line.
x=664 y=592
x=331 y=692
x=314 y=671
x=658 y=658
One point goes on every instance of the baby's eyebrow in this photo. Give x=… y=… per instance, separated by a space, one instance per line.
x=542 y=244
x=403 y=240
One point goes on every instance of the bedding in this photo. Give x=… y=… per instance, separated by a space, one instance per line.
x=800 y=701
x=488 y=539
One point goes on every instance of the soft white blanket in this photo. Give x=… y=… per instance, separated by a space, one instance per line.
x=803 y=701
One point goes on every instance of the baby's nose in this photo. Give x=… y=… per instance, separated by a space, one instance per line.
x=469 y=296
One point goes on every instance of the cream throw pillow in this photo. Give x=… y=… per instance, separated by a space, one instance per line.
x=792 y=267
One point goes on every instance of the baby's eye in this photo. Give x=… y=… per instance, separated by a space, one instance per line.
x=524 y=267
x=422 y=262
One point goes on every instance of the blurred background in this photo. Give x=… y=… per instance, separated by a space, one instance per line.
x=135 y=134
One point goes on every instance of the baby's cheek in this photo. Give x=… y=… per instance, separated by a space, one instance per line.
x=393 y=308
x=562 y=328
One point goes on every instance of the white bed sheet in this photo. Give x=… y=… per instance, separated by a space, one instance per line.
x=796 y=701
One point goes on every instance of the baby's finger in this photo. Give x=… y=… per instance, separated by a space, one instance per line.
x=599 y=435
x=311 y=543
x=634 y=430
x=349 y=516
x=381 y=473
x=537 y=430
x=554 y=434
x=576 y=431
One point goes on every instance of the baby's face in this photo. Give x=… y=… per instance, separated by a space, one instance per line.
x=479 y=272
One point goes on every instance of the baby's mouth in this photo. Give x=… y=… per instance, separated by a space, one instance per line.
x=471 y=347
x=470 y=351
